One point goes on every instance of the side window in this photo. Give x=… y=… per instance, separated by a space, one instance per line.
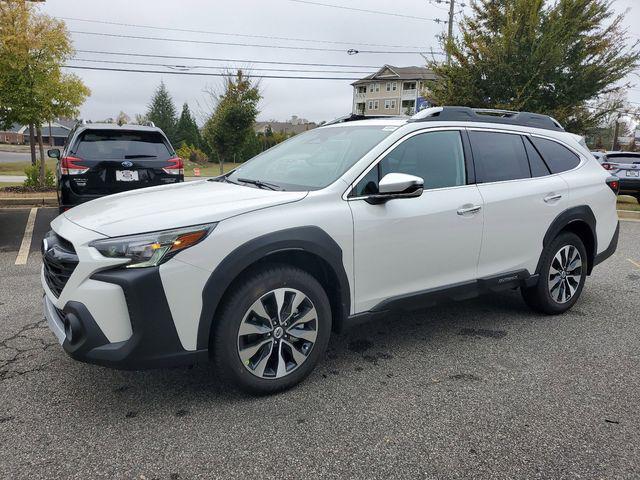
x=538 y=167
x=436 y=157
x=499 y=156
x=558 y=157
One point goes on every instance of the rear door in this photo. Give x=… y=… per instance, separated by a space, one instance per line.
x=121 y=160
x=521 y=200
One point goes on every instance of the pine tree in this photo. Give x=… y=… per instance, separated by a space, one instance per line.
x=162 y=112
x=551 y=57
x=187 y=131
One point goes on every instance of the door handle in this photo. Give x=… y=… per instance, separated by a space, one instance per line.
x=472 y=209
x=552 y=198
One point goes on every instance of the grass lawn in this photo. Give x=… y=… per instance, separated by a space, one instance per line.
x=17 y=168
x=209 y=170
x=4 y=147
x=625 y=202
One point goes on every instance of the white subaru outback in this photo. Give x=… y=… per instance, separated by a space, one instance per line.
x=254 y=269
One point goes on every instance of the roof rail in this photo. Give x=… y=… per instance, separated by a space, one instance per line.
x=352 y=117
x=486 y=115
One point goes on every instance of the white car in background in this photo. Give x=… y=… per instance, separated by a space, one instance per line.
x=350 y=221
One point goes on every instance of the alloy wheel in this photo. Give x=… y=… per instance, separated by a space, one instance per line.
x=565 y=274
x=277 y=333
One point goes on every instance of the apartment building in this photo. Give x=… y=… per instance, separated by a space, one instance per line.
x=392 y=91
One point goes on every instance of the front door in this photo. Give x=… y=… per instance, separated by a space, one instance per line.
x=409 y=245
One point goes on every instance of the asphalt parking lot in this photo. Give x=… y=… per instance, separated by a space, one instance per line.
x=475 y=389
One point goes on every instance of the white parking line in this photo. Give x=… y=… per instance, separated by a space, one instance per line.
x=634 y=263
x=25 y=246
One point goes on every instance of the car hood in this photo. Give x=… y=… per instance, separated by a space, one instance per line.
x=172 y=206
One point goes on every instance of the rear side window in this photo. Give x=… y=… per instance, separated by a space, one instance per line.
x=558 y=157
x=538 y=167
x=120 y=145
x=499 y=156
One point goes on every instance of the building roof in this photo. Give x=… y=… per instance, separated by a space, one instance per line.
x=390 y=72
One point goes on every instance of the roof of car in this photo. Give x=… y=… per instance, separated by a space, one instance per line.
x=630 y=154
x=114 y=126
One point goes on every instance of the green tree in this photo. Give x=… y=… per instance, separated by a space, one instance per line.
x=187 y=131
x=162 y=112
x=536 y=55
x=231 y=124
x=33 y=89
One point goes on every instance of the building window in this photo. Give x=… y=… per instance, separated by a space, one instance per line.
x=377 y=87
x=408 y=107
x=392 y=86
x=409 y=86
x=371 y=88
x=393 y=104
x=362 y=89
x=376 y=105
x=370 y=105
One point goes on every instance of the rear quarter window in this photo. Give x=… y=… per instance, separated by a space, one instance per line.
x=558 y=157
x=120 y=145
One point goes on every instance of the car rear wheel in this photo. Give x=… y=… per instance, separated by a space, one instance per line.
x=272 y=330
x=562 y=275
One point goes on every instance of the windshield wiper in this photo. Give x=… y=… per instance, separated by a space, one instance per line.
x=261 y=184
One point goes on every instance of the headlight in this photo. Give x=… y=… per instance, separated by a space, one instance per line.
x=151 y=249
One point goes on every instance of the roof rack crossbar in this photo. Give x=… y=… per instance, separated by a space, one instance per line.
x=484 y=115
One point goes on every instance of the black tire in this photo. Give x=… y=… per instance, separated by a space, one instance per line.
x=539 y=297
x=224 y=343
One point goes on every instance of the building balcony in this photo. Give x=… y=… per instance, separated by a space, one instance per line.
x=409 y=94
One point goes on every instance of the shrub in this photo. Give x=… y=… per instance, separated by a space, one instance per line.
x=193 y=154
x=33 y=177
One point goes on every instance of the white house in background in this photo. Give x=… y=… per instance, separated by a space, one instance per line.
x=392 y=91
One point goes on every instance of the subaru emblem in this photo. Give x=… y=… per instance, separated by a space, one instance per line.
x=127 y=164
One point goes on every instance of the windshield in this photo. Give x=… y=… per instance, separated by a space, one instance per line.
x=314 y=159
x=624 y=158
x=118 y=145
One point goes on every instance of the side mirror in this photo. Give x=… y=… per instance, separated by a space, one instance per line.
x=54 y=153
x=397 y=185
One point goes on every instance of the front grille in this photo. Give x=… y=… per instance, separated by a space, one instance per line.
x=59 y=259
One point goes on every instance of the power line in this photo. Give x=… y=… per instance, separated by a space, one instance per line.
x=268 y=62
x=244 y=35
x=237 y=44
x=214 y=67
x=363 y=10
x=202 y=74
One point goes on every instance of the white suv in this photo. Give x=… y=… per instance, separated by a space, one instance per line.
x=349 y=221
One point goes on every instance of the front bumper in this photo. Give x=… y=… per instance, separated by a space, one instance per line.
x=154 y=342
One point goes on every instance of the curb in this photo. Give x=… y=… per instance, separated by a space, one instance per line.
x=628 y=215
x=28 y=202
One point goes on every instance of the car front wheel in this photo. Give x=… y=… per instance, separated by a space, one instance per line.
x=272 y=331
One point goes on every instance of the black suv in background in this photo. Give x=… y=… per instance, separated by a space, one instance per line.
x=101 y=159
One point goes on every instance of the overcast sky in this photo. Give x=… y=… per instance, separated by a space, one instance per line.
x=313 y=99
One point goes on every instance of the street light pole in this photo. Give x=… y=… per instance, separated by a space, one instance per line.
x=452 y=4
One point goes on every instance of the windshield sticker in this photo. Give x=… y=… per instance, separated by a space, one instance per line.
x=390 y=128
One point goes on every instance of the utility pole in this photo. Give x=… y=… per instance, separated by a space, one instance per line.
x=614 y=145
x=452 y=5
